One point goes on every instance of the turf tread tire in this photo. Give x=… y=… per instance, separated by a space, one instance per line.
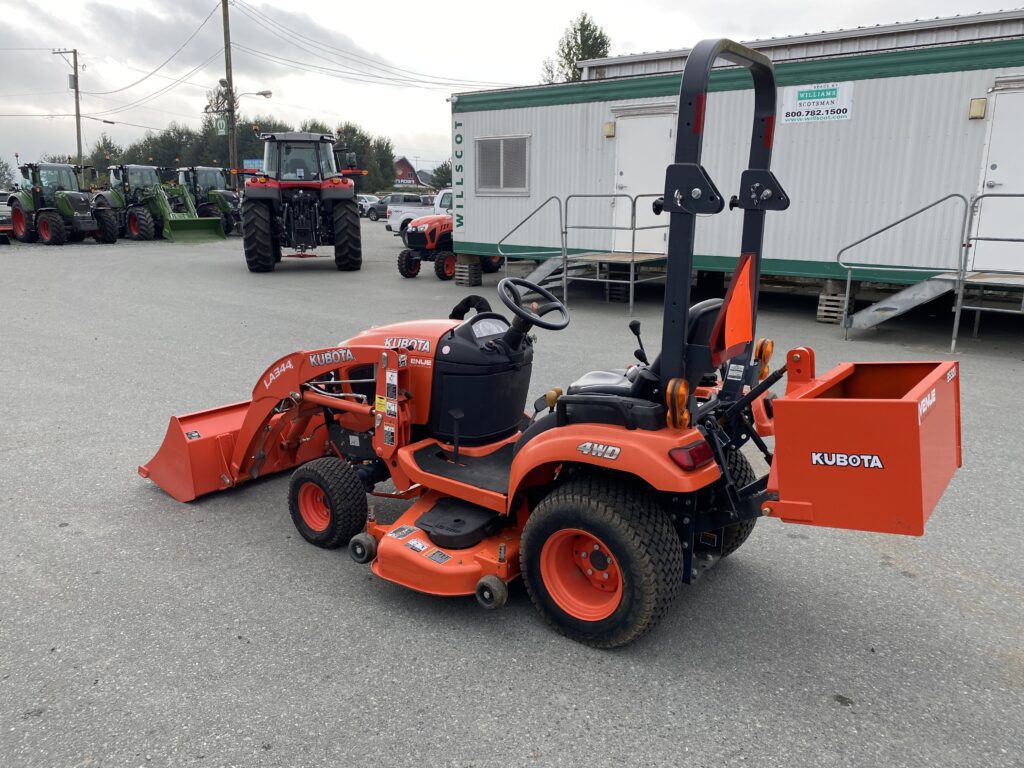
x=643 y=541
x=742 y=474
x=348 y=244
x=408 y=264
x=258 y=241
x=52 y=223
x=144 y=220
x=346 y=497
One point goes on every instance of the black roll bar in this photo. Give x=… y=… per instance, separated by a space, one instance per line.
x=690 y=192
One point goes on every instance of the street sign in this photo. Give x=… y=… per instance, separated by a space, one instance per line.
x=222 y=126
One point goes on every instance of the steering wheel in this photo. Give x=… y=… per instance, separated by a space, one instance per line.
x=511 y=297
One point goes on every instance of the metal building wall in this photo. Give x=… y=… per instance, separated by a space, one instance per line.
x=908 y=142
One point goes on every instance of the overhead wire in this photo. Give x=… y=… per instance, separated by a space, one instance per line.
x=165 y=61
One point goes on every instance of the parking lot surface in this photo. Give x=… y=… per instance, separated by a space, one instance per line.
x=137 y=631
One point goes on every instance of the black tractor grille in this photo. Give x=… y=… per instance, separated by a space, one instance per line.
x=416 y=240
x=78 y=201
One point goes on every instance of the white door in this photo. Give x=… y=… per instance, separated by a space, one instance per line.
x=1004 y=173
x=643 y=147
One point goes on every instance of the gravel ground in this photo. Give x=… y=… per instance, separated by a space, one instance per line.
x=136 y=631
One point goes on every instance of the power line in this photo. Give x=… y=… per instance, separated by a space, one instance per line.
x=396 y=73
x=156 y=94
x=165 y=61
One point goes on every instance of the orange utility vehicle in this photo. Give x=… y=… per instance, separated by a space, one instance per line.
x=620 y=489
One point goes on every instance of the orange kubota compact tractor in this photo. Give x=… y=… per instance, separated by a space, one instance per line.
x=618 y=490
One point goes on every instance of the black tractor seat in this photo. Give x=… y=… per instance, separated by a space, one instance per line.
x=613 y=382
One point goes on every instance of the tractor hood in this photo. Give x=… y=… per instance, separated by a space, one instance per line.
x=420 y=337
x=78 y=202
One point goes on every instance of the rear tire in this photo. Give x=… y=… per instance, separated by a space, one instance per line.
x=373 y=215
x=491 y=264
x=106 y=221
x=743 y=474
x=408 y=264
x=258 y=241
x=627 y=536
x=348 y=248
x=51 y=228
x=444 y=265
x=21 y=221
x=327 y=502
x=140 y=224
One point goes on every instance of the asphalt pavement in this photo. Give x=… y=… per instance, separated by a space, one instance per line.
x=137 y=631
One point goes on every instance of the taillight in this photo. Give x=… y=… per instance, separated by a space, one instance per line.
x=693 y=456
x=389 y=211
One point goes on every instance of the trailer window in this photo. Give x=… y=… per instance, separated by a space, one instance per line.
x=502 y=165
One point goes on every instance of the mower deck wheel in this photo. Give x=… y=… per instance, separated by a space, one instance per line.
x=444 y=265
x=327 y=502
x=408 y=263
x=491 y=592
x=601 y=560
x=362 y=548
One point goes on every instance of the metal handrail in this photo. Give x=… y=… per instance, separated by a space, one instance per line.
x=851 y=266
x=961 y=278
x=516 y=228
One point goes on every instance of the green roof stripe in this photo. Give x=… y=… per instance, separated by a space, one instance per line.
x=868 y=66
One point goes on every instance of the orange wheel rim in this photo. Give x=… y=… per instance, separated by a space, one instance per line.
x=449 y=266
x=133 y=224
x=313 y=507
x=18 y=222
x=44 y=229
x=581 y=575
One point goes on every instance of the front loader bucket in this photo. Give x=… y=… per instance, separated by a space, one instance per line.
x=193 y=230
x=195 y=456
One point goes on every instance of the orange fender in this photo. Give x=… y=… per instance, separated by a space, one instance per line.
x=637 y=452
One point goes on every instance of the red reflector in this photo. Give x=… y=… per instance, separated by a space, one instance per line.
x=693 y=456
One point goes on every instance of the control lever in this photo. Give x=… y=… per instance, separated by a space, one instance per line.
x=640 y=354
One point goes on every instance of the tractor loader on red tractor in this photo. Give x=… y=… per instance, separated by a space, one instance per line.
x=616 y=491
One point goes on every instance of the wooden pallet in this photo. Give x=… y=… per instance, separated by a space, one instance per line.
x=831 y=308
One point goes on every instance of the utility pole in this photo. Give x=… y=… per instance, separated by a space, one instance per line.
x=78 y=109
x=232 y=139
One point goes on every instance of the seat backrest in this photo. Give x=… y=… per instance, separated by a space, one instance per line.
x=703 y=316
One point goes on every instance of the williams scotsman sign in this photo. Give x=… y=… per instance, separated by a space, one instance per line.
x=817 y=102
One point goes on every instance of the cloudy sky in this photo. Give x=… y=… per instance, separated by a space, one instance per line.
x=387 y=65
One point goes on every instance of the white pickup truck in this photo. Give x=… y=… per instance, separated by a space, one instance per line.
x=399 y=216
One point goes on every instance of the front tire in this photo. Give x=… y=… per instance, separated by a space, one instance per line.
x=491 y=264
x=348 y=247
x=601 y=561
x=408 y=264
x=51 y=228
x=106 y=231
x=327 y=502
x=140 y=224
x=444 y=265
x=258 y=240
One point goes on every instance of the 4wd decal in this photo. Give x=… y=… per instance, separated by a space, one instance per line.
x=332 y=357
x=864 y=460
x=276 y=372
x=402 y=342
x=599 y=450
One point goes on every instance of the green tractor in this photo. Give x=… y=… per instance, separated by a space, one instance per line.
x=147 y=208
x=211 y=195
x=51 y=207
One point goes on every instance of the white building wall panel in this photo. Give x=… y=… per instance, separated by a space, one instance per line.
x=907 y=143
